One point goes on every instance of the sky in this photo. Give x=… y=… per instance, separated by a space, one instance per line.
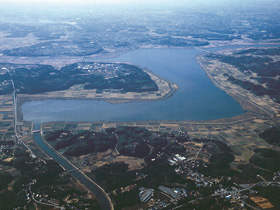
x=87 y=1
x=92 y=1
x=129 y=4
x=68 y=2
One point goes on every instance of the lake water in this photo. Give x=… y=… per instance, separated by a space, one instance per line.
x=197 y=99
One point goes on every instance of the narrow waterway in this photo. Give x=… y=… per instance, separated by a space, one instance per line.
x=94 y=188
x=197 y=99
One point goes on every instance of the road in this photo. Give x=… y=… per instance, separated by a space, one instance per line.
x=101 y=196
x=47 y=204
x=18 y=140
x=247 y=188
x=233 y=192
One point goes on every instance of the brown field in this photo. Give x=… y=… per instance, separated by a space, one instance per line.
x=133 y=163
x=6 y=117
x=239 y=132
x=262 y=202
x=166 y=89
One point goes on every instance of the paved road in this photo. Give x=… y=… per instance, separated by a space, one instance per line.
x=101 y=196
x=15 y=117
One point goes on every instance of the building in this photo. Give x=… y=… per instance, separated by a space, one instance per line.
x=145 y=194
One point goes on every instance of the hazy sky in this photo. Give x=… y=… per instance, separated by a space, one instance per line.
x=130 y=4
x=67 y=2
x=94 y=1
x=89 y=1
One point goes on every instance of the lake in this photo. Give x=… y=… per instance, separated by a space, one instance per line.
x=197 y=99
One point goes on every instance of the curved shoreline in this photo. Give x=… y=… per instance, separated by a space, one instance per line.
x=22 y=98
x=172 y=88
x=237 y=97
x=237 y=120
x=231 y=93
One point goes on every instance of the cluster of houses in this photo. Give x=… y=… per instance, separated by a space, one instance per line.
x=175 y=194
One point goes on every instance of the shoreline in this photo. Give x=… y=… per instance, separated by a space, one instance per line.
x=172 y=88
x=64 y=60
x=25 y=98
x=238 y=98
x=22 y=98
x=239 y=132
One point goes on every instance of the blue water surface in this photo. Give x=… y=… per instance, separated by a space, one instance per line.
x=197 y=99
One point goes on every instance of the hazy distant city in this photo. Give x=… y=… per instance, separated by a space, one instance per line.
x=132 y=105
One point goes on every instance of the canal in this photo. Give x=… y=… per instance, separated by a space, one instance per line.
x=100 y=195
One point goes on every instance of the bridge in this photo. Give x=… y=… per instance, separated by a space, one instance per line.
x=74 y=169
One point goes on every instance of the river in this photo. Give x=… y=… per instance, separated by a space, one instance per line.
x=94 y=188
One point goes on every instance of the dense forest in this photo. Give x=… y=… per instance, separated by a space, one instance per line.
x=129 y=141
x=83 y=142
x=50 y=180
x=35 y=79
x=257 y=61
x=271 y=136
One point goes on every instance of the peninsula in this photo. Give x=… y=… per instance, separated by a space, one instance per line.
x=115 y=82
